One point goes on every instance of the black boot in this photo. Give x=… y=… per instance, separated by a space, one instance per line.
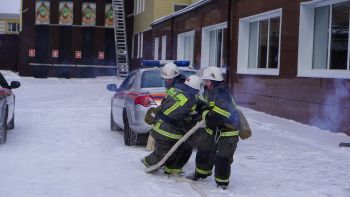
x=196 y=176
x=224 y=187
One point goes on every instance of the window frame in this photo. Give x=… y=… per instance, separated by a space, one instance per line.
x=306 y=42
x=181 y=45
x=156 y=48
x=243 y=43
x=205 y=48
x=164 y=44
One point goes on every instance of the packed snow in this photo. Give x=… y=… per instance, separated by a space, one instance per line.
x=62 y=146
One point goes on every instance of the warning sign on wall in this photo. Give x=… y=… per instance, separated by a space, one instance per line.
x=77 y=54
x=55 y=53
x=31 y=53
x=101 y=55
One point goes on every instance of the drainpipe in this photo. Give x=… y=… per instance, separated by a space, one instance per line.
x=172 y=39
x=229 y=42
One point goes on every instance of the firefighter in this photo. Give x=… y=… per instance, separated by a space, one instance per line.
x=220 y=136
x=181 y=99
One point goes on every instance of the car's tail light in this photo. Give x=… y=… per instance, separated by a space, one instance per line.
x=4 y=92
x=144 y=100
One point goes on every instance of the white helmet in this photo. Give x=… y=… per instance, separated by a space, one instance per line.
x=169 y=71
x=212 y=73
x=194 y=82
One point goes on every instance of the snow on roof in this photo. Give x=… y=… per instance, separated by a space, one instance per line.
x=182 y=11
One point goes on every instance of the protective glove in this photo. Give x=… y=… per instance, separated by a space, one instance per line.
x=150 y=117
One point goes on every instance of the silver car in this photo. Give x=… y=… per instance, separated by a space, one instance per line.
x=140 y=90
x=7 y=107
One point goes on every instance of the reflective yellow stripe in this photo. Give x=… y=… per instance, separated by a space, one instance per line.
x=180 y=101
x=221 y=111
x=205 y=172
x=204 y=114
x=222 y=180
x=172 y=171
x=209 y=131
x=171 y=92
x=202 y=98
x=172 y=108
x=212 y=104
x=229 y=133
x=165 y=133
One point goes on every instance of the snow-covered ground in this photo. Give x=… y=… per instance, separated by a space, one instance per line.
x=62 y=147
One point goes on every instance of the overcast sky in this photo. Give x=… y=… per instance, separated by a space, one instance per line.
x=10 y=6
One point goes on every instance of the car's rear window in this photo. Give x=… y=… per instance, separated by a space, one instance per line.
x=152 y=78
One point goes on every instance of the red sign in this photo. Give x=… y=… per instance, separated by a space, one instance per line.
x=31 y=52
x=101 y=55
x=55 y=53
x=78 y=54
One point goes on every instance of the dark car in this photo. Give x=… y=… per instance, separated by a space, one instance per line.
x=7 y=104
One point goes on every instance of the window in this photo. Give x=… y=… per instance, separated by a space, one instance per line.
x=259 y=44
x=12 y=27
x=324 y=39
x=139 y=45
x=214 y=46
x=139 y=6
x=156 y=48
x=151 y=79
x=185 y=46
x=163 y=48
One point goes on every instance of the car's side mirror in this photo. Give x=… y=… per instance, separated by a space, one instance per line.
x=112 y=87
x=15 y=84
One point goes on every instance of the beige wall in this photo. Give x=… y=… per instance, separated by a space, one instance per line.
x=143 y=20
x=166 y=7
x=155 y=9
x=4 y=23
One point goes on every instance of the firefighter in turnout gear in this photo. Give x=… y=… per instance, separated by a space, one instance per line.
x=221 y=133
x=181 y=99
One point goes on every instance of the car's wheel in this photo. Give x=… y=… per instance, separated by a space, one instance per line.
x=3 y=127
x=130 y=138
x=114 y=126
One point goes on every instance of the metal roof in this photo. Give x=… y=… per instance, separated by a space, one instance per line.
x=9 y=16
x=180 y=12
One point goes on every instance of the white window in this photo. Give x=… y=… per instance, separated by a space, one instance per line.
x=214 y=45
x=156 y=48
x=185 y=46
x=139 y=45
x=163 y=48
x=324 y=39
x=259 y=44
x=12 y=27
x=139 y=6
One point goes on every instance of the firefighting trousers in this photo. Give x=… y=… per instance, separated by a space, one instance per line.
x=219 y=154
x=176 y=161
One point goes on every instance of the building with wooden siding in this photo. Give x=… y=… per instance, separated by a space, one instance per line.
x=279 y=56
x=70 y=38
x=143 y=15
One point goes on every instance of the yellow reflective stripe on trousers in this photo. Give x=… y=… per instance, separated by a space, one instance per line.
x=165 y=133
x=205 y=172
x=172 y=171
x=221 y=111
x=223 y=133
x=209 y=131
x=222 y=180
x=229 y=133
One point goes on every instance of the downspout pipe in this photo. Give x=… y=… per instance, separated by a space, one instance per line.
x=228 y=38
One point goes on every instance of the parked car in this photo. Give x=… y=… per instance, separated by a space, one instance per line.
x=140 y=90
x=7 y=103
